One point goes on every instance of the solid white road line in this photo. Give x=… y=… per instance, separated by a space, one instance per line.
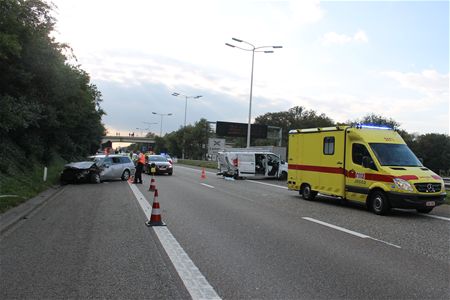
x=349 y=231
x=196 y=284
x=207 y=185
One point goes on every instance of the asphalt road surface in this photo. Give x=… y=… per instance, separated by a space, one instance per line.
x=249 y=239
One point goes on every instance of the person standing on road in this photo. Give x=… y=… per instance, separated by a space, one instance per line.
x=139 y=168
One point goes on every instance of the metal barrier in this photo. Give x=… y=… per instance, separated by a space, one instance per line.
x=447 y=183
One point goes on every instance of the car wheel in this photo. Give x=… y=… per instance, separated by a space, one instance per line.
x=125 y=175
x=283 y=176
x=424 y=210
x=95 y=178
x=170 y=174
x=307 y=193
x=379 y=203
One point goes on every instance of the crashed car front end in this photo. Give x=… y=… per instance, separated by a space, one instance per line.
x=80 y=172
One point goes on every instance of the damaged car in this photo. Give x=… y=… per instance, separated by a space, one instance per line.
x=98 y=168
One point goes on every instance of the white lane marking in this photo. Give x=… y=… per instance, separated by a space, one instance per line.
x=269 y=184
x=349 y=231
x=337 y=227
x=207 y=185
x=426 y=215
x=436 y=217
x=196 y=284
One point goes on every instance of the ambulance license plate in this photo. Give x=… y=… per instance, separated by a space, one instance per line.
x=430 y=203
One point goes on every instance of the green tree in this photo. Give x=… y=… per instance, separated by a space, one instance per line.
x=376 y=120
x=434 y=148
x=48 y=106
x=196 y=139
x=295 y=118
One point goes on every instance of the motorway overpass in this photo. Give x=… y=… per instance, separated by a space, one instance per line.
x=127 y=139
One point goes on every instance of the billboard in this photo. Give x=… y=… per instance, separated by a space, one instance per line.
x=240 y=130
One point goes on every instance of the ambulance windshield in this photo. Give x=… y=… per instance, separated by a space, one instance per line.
x=395 y=155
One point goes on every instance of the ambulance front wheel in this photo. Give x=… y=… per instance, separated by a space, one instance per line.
x=379 y=203
x=307 y=193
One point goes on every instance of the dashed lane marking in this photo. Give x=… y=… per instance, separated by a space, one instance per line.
x=207 y=185
x=349 y=231
x=269 y=184
x=196 y=284
x=436 y=217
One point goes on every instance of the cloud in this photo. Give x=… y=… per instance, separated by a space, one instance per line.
x=333 y=38
x=428 y=82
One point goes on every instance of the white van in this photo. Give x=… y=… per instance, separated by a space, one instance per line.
x=251 y=164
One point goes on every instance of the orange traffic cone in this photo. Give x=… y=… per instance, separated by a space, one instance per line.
x=152 y=186
x=155 y=218
x=203 y=174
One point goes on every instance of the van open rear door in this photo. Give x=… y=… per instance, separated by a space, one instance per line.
x=225 y=166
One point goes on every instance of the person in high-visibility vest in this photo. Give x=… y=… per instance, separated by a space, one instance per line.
x=139 y=168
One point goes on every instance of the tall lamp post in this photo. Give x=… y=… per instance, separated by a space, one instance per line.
x=150 y=124
x=185 y=113
x=253 y=49
x=162 y=115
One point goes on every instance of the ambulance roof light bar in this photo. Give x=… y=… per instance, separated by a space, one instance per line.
x=368 y=126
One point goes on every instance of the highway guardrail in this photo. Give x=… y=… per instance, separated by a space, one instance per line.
x=447 y=183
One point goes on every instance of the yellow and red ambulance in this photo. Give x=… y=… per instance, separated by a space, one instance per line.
x=367 y=164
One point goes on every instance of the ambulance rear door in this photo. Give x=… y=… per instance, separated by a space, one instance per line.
x=331 y=169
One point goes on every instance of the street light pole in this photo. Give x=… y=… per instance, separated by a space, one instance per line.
x=250 y=105
x=162 y=115
x=253 y=49
x=185 y=114
x=150 y=124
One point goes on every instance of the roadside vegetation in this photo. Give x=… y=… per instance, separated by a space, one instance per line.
x=199 y=163
x=50 y=112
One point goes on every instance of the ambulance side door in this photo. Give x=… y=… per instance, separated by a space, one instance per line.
x=356 y=185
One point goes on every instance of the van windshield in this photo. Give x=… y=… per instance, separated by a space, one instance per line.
x=395 y=155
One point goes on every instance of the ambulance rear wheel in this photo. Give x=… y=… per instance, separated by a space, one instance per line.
x=307 y=193
x=379 y=203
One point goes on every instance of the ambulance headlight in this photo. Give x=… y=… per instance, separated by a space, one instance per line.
x=403 y=185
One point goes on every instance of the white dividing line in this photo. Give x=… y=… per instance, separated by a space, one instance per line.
x=436 y=217
x=349 y=231
x=269 y=184
x=196 y=284
x=207 y=185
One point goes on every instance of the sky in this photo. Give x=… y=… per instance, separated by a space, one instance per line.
x=343 y=59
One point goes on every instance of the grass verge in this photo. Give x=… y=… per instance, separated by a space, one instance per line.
x=23 y=185
x=199 y=163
